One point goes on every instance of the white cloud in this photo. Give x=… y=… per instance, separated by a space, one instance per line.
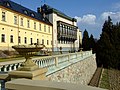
x=90 y=23
x=117 y=6
x=86 y=19
x=94 y=24
x=114 y=15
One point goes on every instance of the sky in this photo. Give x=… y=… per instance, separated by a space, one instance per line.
x=90 y=14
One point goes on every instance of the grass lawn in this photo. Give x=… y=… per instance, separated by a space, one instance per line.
x=14 y=58
x=10 y=59
x=104 y=80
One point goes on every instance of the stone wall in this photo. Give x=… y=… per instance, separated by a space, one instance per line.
x=80 y=72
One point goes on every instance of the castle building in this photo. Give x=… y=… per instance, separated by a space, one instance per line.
x=49 y=26
x=66 y=34
x=22 y=26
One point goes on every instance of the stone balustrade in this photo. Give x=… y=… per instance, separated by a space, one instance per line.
x=49 y=62
x=52 y=63
x=10 y=67
x=79 y=69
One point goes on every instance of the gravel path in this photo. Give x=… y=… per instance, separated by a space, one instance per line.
x=96 y=77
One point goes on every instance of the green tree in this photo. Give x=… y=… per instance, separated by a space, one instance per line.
x=116 y=43
x=92 y=43
x=108 y=46
x=108 y=28
x=85 y=41
x=104 y=50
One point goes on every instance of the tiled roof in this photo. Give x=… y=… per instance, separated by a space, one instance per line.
x=48 y=9
x=23 y=10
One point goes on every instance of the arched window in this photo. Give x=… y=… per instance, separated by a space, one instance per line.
x=32 y=14
x=25 y=11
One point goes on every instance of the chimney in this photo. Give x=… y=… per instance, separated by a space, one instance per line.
x=39 y=10
x=44 y=15
x=72 y=21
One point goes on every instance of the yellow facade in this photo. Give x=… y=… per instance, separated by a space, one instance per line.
x=22 y=28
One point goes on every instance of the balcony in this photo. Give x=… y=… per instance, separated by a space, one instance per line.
x=66 y=32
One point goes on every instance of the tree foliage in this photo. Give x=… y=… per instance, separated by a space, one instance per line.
x=92 y=43
x=88 y=42
x=85 y=41
x=108 y=46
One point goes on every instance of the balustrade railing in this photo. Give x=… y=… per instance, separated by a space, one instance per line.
x=9 y=67
x=52 y=63
x=48 y=61
x=2 y=84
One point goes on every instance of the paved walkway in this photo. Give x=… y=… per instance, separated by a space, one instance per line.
x=96 y=77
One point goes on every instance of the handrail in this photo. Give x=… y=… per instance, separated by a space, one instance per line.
x=46 y=61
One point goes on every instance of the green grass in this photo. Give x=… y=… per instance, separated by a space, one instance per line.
x=14 y=58
x=104 y=80
x=10 y=59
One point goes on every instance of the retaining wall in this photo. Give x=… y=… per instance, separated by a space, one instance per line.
x=80 y=72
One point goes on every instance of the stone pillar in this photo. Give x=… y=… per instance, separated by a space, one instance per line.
x=29 y=70
x=56 y=61
x=38 y=74
x=68 y=57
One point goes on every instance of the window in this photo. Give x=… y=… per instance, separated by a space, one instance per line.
x=25 y=12
x=44 y=28
x=15 y=19
x=21 y=21
x=38 y=41
x=8 y=4
x=47 y=42
x=66 y=29
x=49 y=29
x=40 y=27
x=3 y=38
x=32 y=14
x=3 y=16
x=63 y=29
x=25 y=40
x=28 y=23
x=11 y=38
x=19 y=39
x=43 y=41
x=31 y=41
x=51 y=42
x=34 y=25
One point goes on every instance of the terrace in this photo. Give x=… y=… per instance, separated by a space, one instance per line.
x=53 y=64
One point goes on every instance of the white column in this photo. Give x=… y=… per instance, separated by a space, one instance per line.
x=56 y=61
x=5 y=68
x=15 y=67
x=10 y=67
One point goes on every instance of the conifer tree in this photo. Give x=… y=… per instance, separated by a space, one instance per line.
x=85 y=41
x=108 y=27
x=108 y=46
x=105 y=48
x=92 y=43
